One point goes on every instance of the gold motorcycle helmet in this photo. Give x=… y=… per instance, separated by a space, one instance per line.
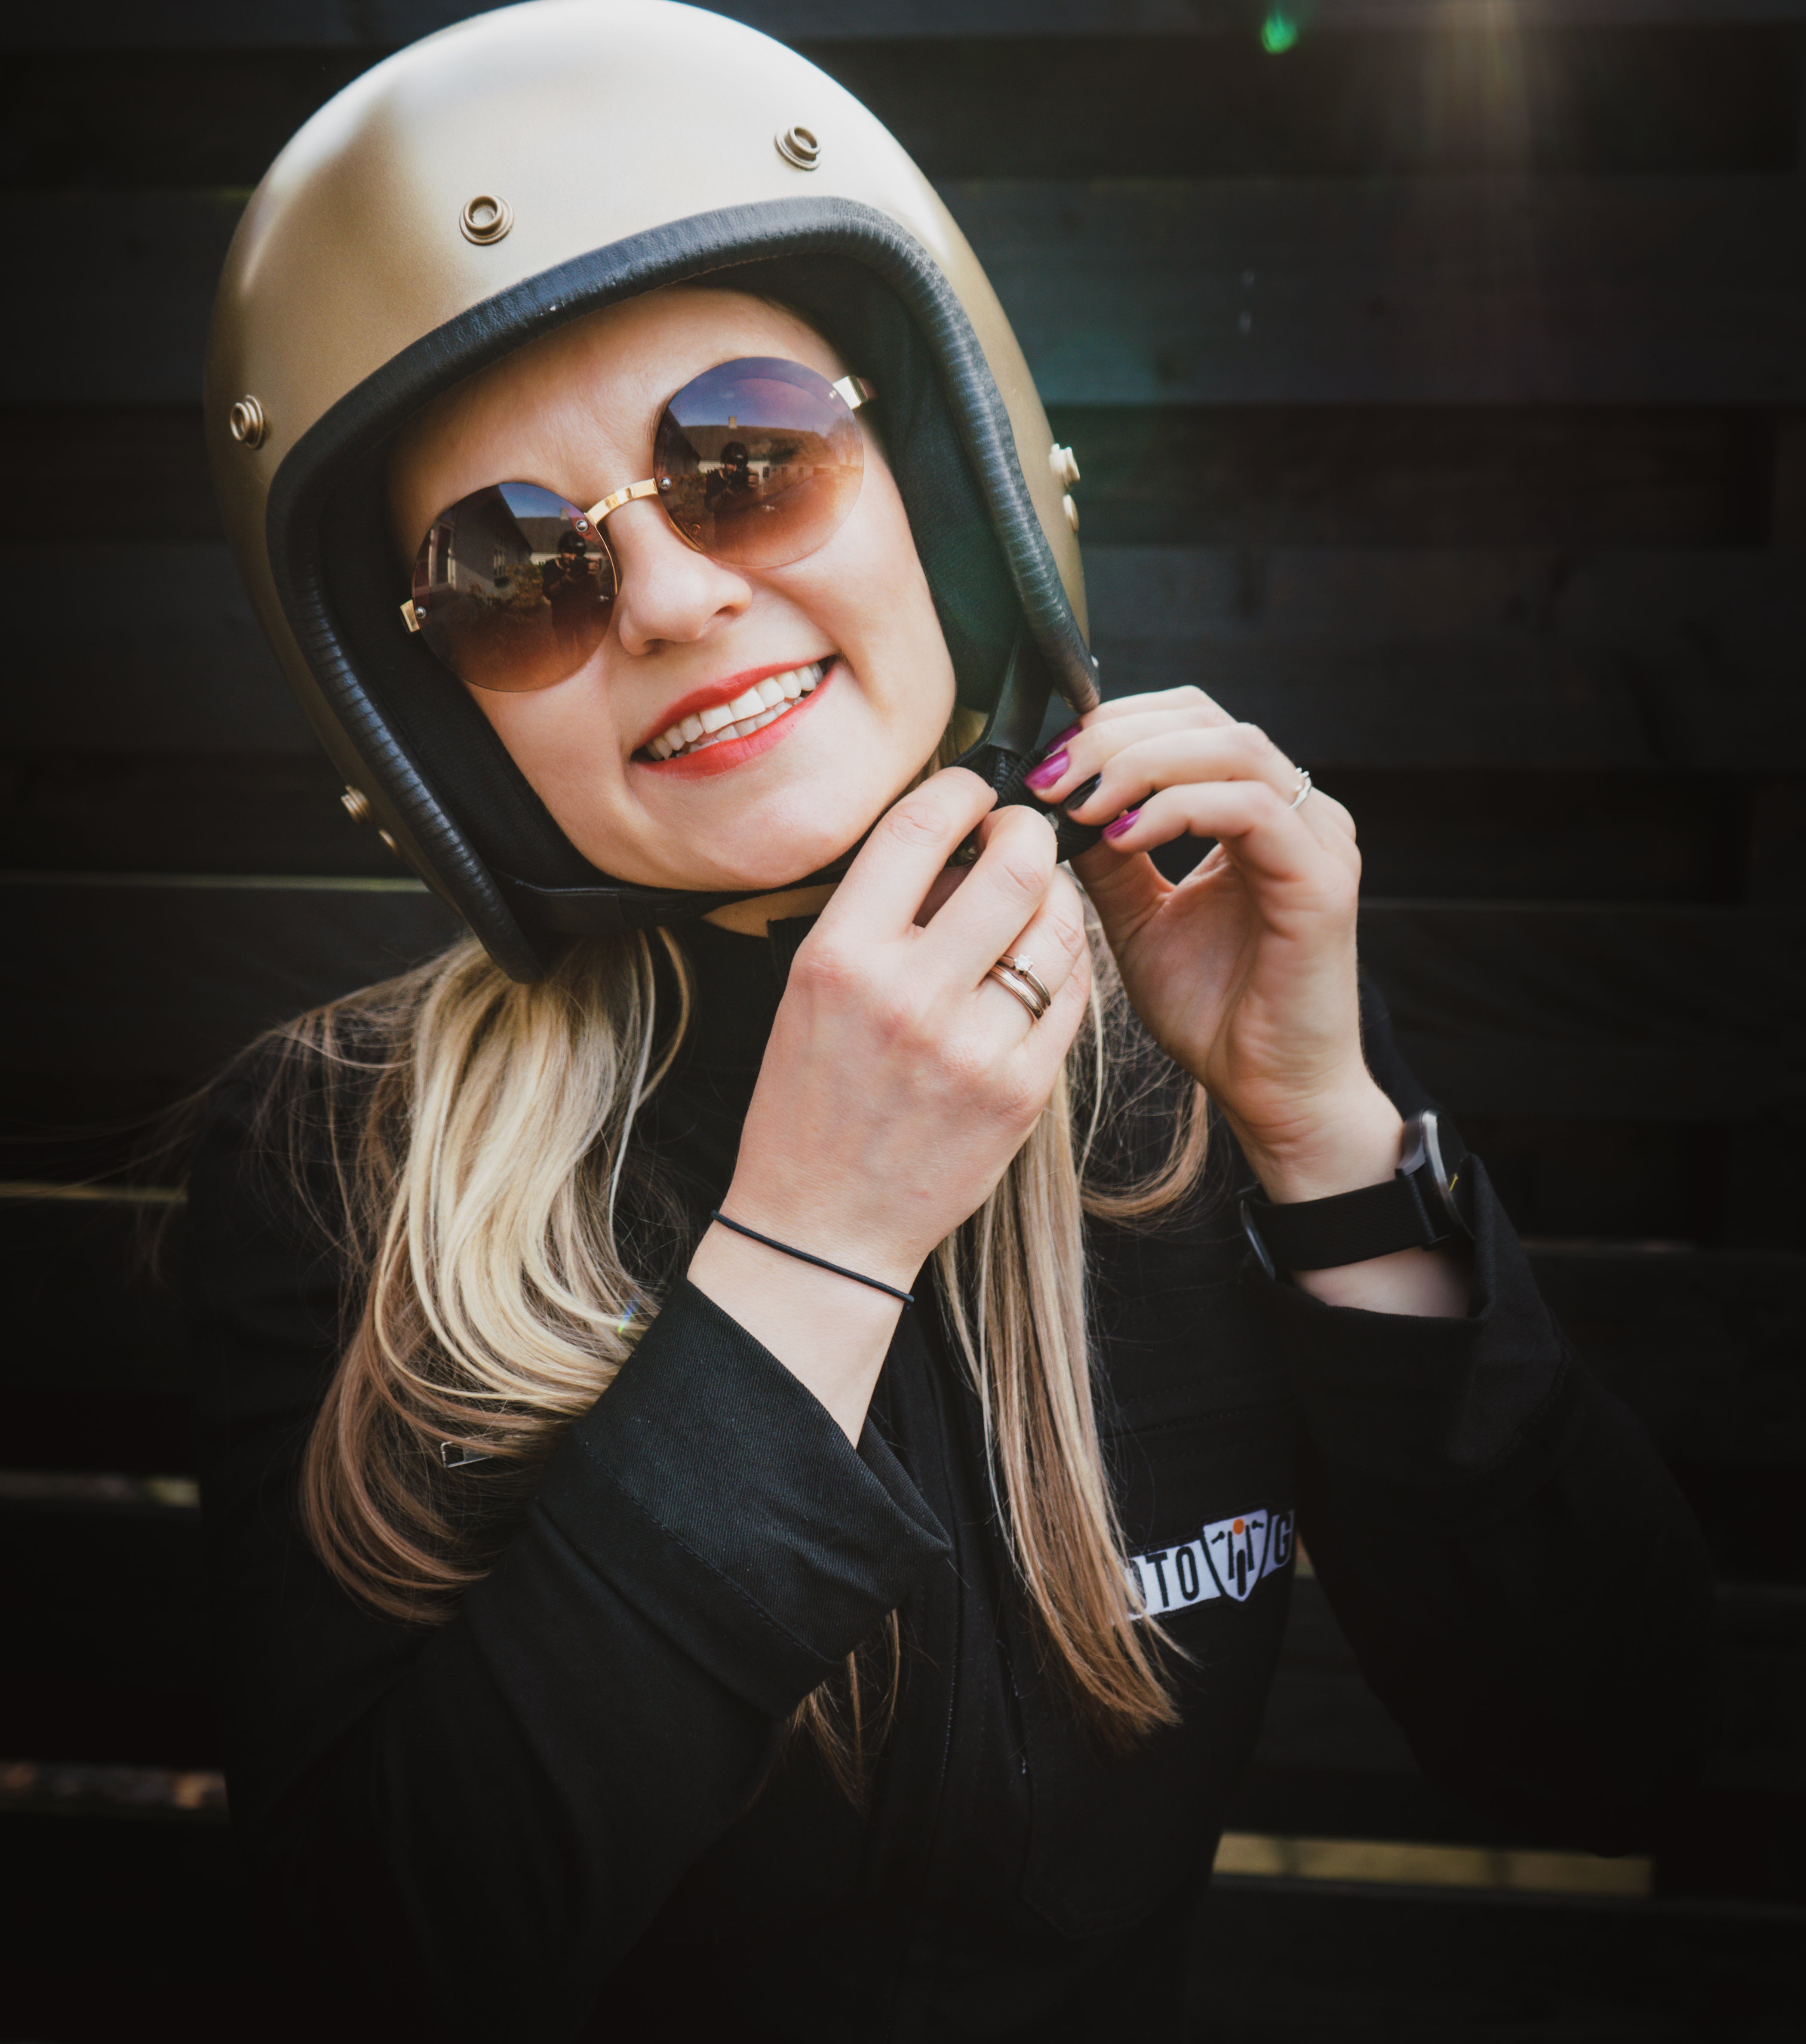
x=516 y=171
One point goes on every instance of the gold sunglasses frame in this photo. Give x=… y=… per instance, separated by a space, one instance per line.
x=853 y=391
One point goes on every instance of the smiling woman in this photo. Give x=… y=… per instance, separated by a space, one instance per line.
x=755 y=1477
x=706 y=651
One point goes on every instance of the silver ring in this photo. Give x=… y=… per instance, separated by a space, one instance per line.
x=1297 y=800
x=1020 y=988
x=1023 y=965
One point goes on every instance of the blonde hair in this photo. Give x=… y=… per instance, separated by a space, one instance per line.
x=481 y=1133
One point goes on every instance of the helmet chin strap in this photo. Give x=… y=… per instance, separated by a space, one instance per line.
x=1001 y=757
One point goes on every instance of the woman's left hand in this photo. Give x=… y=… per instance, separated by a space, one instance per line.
x=1245 y=971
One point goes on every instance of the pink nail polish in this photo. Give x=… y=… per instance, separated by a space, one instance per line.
x=1122 y=823
x=1068 y=735
x=1049 y=771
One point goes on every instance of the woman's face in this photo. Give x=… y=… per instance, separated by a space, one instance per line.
x=575 y=412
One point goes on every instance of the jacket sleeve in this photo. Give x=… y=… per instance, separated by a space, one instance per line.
x=1522 y=1582
x=465 y=1827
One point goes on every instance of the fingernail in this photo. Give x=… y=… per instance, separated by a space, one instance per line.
x=1081 y=794
x=1049 y=769
x=1122 y=823
x=1067 y=736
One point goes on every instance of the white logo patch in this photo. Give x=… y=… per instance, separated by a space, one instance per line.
x=1226 y=1559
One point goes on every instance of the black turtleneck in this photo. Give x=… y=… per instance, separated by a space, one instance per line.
x=573 y=1811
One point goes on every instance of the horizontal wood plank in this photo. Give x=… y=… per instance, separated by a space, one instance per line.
x=1304 y=1963
x=1707 y=1347
x=1592 y=1014
x=167 y=980
x=1622 y=1013
x=173 y=660
x=348 y=23
x=1628 y=660
x=1471 y=657
x=1449 y=291
x=1455 y=834
x=1579 y=480
x=1556 y=97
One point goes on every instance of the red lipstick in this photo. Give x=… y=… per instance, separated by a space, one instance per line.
x=712 y=693
x=728 y=753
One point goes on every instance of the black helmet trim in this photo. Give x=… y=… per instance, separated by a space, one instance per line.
x=502 y=863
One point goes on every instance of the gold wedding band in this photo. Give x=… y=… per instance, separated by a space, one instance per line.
x=1020 y=988
x=1019 y=964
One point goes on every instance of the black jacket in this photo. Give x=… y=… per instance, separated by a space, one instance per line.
x=570 y=1812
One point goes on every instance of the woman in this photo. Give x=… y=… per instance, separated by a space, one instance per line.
x=751 y=1470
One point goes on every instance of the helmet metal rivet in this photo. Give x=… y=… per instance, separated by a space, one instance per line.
x=247 y=424
x=1071 y=511
x=1064 y=464
x=356 y=805
x=798 y=146
x=486 y=218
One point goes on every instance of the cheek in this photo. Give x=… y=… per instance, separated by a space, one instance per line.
x=873 y=597
x=563 y=739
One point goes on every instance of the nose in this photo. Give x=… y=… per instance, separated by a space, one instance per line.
x=669 y=593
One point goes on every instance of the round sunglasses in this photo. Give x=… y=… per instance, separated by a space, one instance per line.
x=757 y=463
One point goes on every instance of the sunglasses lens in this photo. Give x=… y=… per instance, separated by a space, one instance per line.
x=757 y=462
x=512 y=587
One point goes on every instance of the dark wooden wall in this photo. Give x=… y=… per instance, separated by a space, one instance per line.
x=1439 y=385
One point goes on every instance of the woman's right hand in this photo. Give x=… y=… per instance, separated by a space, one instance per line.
x=899 y=1081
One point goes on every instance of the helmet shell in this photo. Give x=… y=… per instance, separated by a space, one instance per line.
x=618 y=144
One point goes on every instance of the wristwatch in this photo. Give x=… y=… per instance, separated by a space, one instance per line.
x=1428 y=1203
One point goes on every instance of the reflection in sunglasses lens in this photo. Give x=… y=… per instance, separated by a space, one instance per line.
x=513 y=588
x=758 y=461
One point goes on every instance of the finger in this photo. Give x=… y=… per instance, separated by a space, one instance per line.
x=909 y=847
x=1080 y=749
x=1322 y=808
x=1039 y=1047
x=1051 y=942
x=1169 y=757
x=1186 y=701
x=1001 y=892
x=1260 y=832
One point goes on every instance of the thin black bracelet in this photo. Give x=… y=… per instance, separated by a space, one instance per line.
x=821 y=1262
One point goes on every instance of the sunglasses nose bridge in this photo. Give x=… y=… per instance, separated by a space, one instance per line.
x=596 y=513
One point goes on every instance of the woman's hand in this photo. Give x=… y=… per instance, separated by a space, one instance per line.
x=899 y=1081
x=1244 y=972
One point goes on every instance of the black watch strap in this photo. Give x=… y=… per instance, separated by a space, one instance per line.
x=1425 y=1205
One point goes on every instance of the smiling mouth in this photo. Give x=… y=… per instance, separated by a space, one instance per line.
x=763 y=703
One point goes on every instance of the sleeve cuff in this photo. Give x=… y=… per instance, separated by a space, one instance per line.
x=1451 y=1418
x=717 y=1495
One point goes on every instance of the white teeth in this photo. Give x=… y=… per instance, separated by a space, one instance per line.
x=749 y=711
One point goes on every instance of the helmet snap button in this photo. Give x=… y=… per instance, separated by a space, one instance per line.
x=247 y=424
x=799 y=146
x=486 y=218
x=1064 y=464
x=1071 y=511
x=357 y=805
